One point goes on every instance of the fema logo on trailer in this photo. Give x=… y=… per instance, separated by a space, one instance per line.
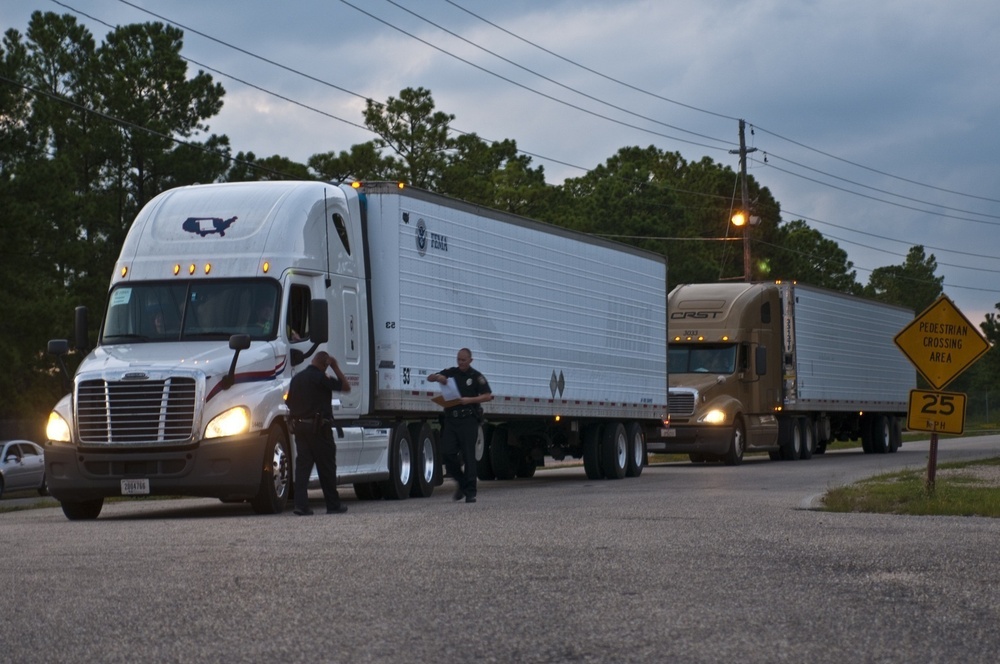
x=421 y=237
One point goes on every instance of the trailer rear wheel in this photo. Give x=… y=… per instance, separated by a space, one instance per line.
x=501 y=455
x=636 y=450
x=397 y=487
x=614 y=451
x=895 y=433
x=276 y=478
x=484 y=467
x=867 y=427
x=880 y=434
x=86 y=510
x=592 y=451
x=425 y=453
x=737 y=445
x=808 y=437
x=790 y=439
x=525 y=463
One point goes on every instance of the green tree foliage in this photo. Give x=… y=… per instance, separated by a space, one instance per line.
x=91 y=133
x=911 y=285
x=415 y=132
x=802 y=254
x=364 y=161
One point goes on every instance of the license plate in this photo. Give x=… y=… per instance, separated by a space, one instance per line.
x=135 y=487
x=668 y=433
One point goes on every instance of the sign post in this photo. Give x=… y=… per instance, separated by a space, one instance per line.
x=941 y=343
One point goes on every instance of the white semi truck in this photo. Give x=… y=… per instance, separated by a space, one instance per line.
x=782 y=368
x=222 y=292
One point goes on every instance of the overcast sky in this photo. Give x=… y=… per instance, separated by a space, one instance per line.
x=878 y=120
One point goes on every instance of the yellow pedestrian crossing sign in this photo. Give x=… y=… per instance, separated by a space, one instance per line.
x=941 y=342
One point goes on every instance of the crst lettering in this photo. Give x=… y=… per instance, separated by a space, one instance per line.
x=697 y=315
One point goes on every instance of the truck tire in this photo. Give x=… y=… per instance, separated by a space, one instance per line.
x=397 y=487
x=808 y=437
x=86 y=510
x=636 y=450
x=592 y=451
x=501 y=455
x=867 y=427
x=880 y=434
x=895 y=433
x=425 y=457
x=484 y=467
x=790 y=439
x=524 y=465
x=737 y=444
x=276 y=478
x=614 y=451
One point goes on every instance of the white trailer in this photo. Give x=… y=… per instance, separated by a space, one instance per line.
x=783 y=368
x=222 y=291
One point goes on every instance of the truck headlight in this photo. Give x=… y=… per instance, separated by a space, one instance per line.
x=230 y=423
x=714 y=416
x=56 y=429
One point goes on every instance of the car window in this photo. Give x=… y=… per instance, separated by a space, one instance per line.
x=28 y=450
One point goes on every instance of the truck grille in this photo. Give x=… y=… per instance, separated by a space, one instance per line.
x=129 y=412
x=680 y=403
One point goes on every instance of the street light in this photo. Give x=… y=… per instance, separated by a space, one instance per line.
x=739 y=220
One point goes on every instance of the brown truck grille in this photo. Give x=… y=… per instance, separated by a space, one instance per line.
x=680 y=403
x=146 y=412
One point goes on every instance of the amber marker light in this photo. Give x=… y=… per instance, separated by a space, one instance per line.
x=267 y=267
x=124 y=271
x=191 y=268
x=177 y=269
x=356 y=184
x=208 y=268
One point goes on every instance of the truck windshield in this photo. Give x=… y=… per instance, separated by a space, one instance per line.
x=191 y=310
x=718 y=359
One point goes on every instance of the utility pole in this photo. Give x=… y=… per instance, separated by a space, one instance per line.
x=743 y=152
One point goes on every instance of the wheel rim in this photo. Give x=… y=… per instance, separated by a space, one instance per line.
x=405 y=463
x=622 y=447
x=427 y=457
x=279 y=469
x=739 y=441
x=637 y=449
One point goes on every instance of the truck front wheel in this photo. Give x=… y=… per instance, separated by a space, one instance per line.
x=426 y=458
x=397 y=487
x=737 y=445
x=614 y=451
x=86 y=510
x=275 y=480
x=592 y=451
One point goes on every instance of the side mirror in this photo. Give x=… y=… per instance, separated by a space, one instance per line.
x=237 y=342
x=319 y=321
x=81 y=329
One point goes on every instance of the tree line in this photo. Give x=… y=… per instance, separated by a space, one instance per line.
x=90 y=132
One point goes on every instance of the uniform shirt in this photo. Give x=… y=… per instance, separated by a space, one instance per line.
x=311 y=392
x=470 y=383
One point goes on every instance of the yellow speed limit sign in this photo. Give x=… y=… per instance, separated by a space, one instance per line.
x=937 y=412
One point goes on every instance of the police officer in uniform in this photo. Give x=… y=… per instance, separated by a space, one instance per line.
x=310 y=402
x=461 y=423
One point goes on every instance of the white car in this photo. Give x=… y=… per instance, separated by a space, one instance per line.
x=22 y=466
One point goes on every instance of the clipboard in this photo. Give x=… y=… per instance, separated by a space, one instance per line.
x=444 y=403
x=450 y=396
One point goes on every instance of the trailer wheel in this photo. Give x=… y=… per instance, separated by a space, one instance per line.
x=895 y=433
x=525 y=464
x=867 y=426
x=484 y=467
x=368 y=490
x=276 y=478
x=738 y=444
x=790 y=439
x=426 y=460
x=614 y=451
x=86 y=510
x=592 y=451
x=636 y=450
x=880 y=434
x=397 y=487
x=808 y=437
x=501 y=455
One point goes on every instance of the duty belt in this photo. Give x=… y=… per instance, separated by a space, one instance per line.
x=461 y=412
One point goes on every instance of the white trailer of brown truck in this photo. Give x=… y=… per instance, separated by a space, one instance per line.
x=783 y=368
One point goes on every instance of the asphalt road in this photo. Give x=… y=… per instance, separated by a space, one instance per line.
x=683 y=564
